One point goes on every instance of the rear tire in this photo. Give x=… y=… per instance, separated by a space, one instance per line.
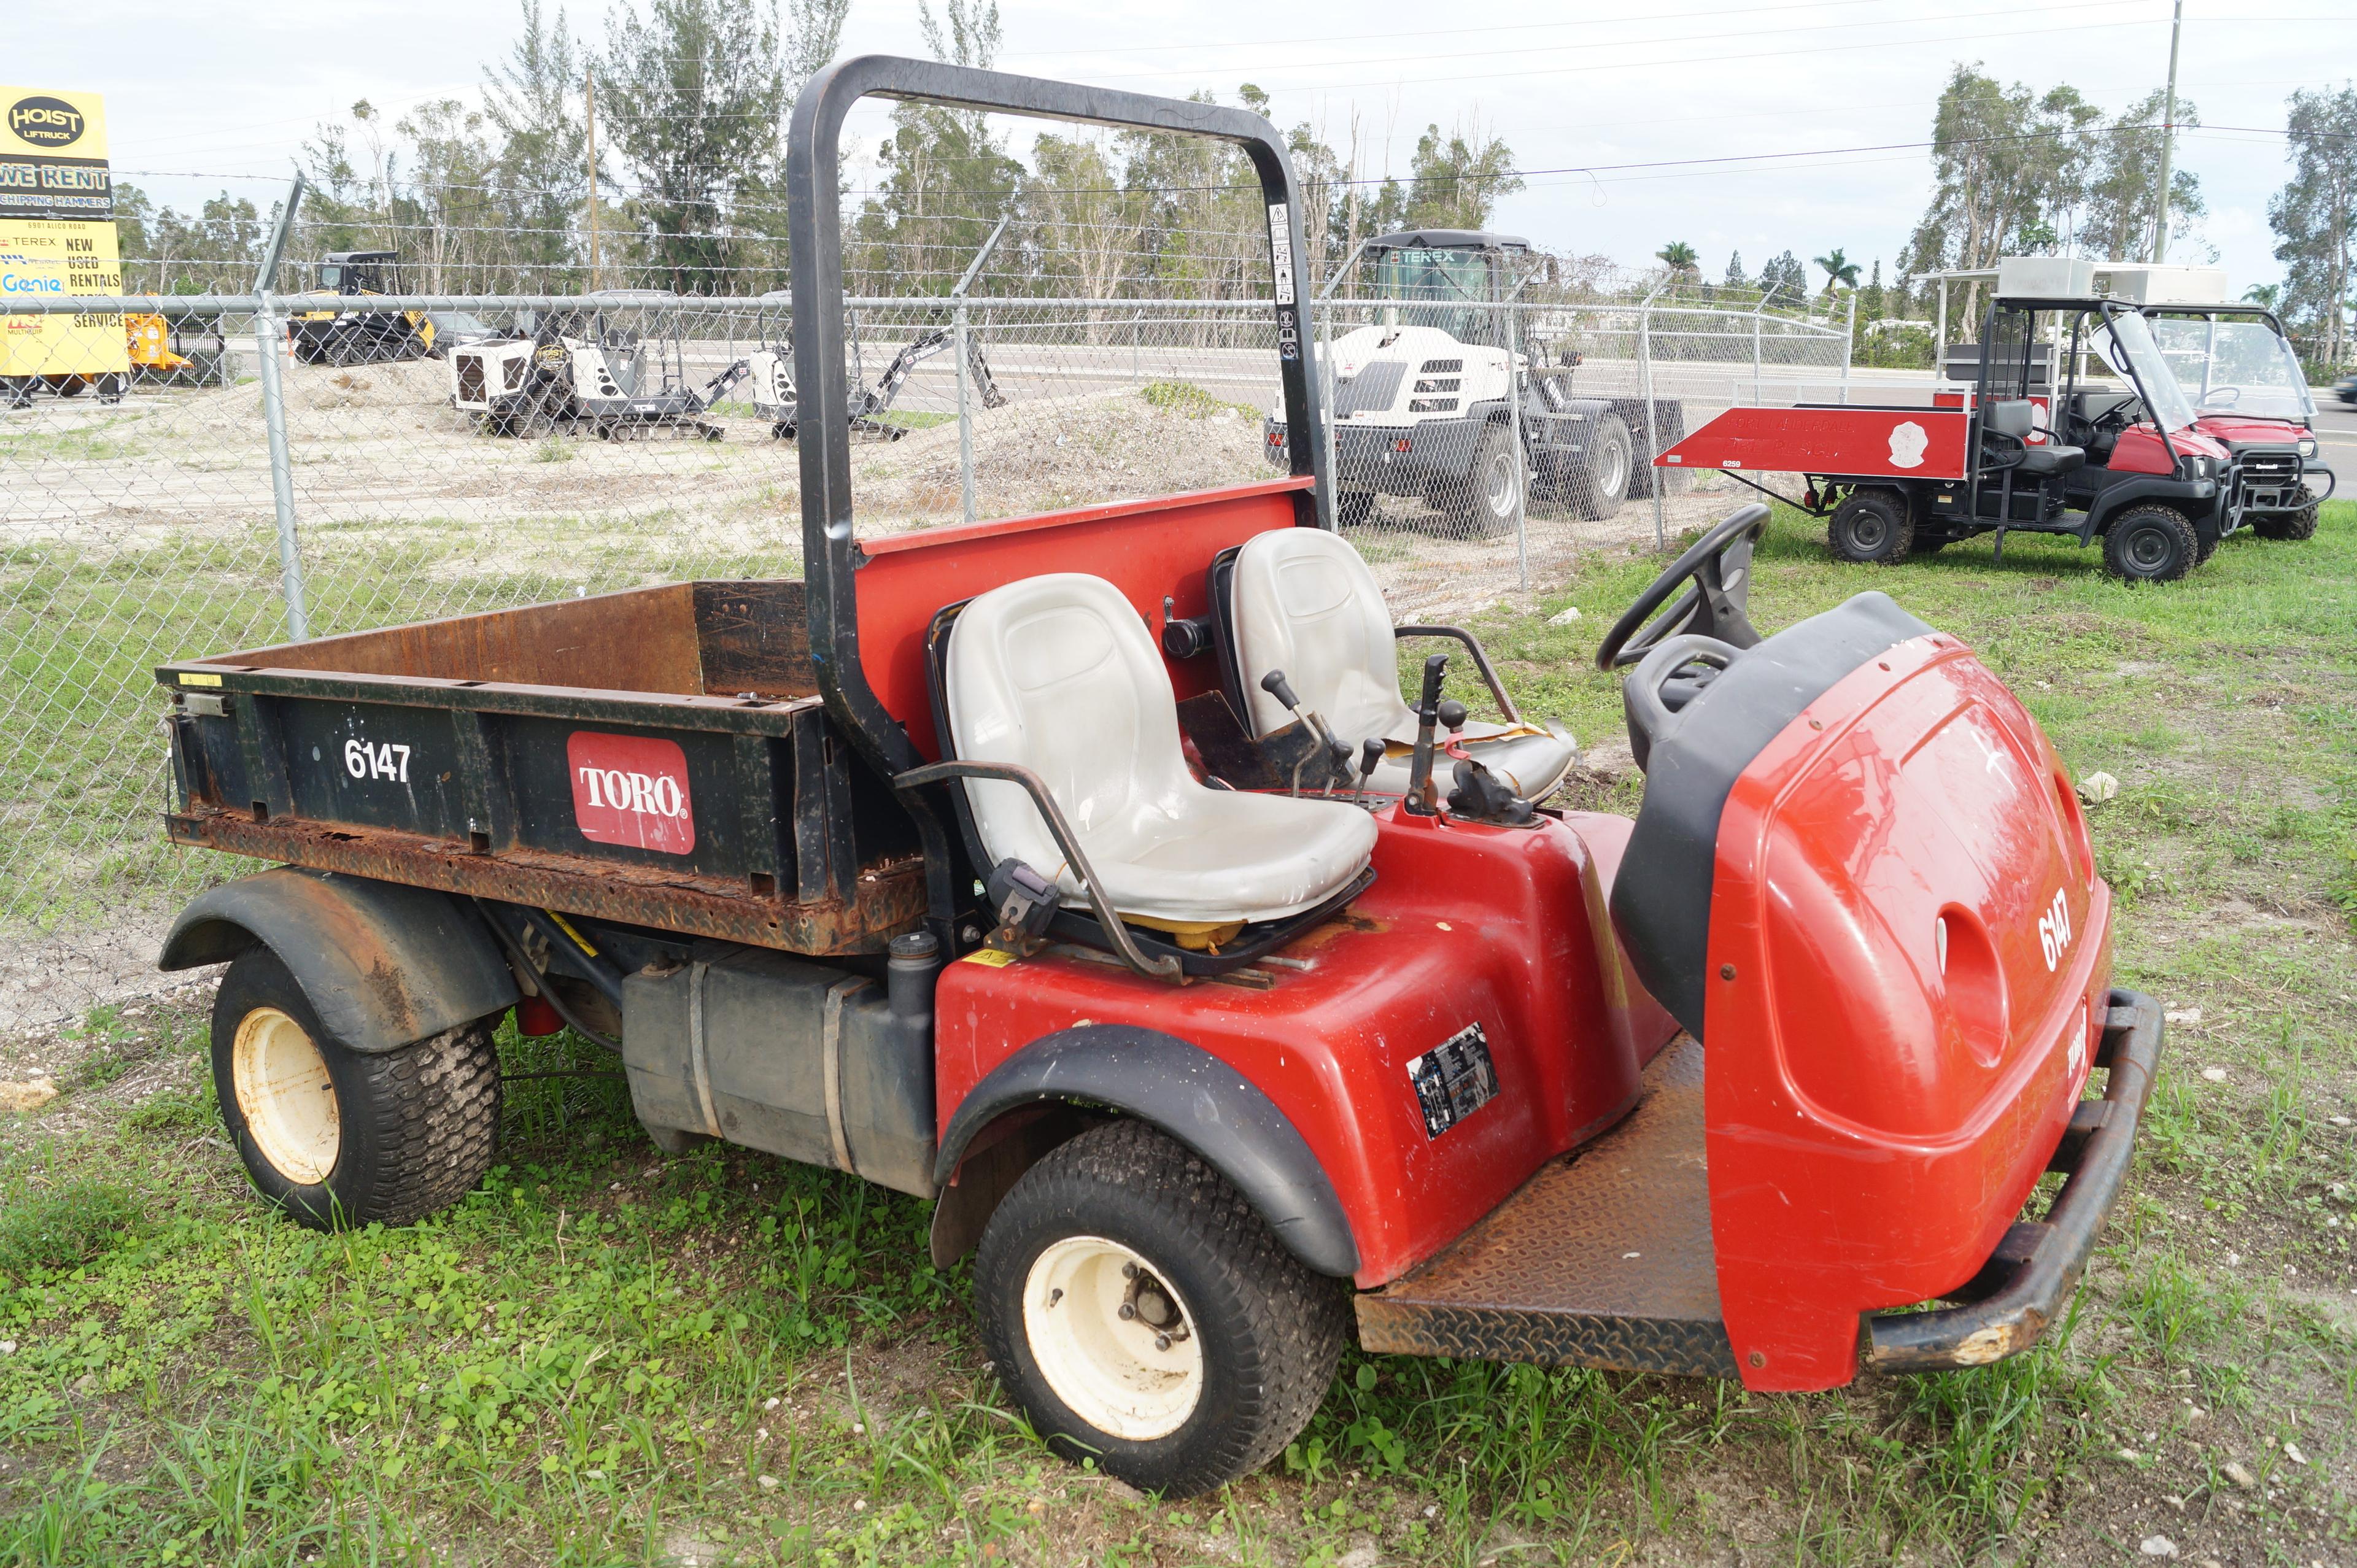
x=2300 y=524
x=2150 y=544
x=1875 y=527
x=1485 y=504
x=1601 y=484
x=1352 y=508
x=338 y=1138
x=1230 y=1343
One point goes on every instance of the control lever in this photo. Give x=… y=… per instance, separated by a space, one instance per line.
x=1184 y=637
x=1371 y=752
x=1338 y=754
x=1419 y=801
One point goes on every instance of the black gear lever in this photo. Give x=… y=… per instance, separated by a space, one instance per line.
x=1427 y=714
x=1338 y=763
x=1371 y=752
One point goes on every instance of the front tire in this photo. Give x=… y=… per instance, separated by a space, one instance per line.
x=1601 y=484
x=1484 y=504
x=2294 y=525
x=2150 y=544
x=338 y=1138
x=1144 y=1316
x=1875 y=527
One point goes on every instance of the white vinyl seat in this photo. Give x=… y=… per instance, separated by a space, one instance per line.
x=1058 y=674
x=1303 y=602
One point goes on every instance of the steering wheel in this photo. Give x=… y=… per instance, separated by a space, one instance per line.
x=2222 y=397
x=1719 y=567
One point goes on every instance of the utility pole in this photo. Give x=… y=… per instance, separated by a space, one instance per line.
x=590 y=100
x=2167 y=140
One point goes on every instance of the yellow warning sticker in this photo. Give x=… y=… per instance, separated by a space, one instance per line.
x=992 y=957
x=190 y=678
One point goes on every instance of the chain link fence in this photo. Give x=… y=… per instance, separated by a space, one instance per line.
x=269 y=467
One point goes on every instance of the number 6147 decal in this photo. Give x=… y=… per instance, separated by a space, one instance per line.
x=2054 y=930
x=362 y=760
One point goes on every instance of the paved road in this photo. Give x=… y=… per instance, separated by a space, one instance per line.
x=2336 y=441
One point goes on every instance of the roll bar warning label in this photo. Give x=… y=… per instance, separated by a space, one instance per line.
x=1453 y=1079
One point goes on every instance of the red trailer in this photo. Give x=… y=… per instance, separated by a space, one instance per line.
x=1090 y=874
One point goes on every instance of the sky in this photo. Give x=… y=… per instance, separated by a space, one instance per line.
x=1759 y=127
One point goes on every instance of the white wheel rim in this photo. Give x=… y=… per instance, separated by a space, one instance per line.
x=285 y=1096
x=1128 y=1378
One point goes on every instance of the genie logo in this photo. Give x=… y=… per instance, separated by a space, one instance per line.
x=630 y=790
x=45 y=122
x=1908 y=443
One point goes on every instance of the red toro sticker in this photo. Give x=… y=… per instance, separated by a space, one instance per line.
x=632 y=790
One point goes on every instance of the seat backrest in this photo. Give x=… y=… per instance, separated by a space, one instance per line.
x=1057 y=673
x=2013 y=416
x=1304 y=602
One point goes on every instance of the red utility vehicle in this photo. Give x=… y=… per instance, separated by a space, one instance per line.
x=2125 y=458
x=1090 y=874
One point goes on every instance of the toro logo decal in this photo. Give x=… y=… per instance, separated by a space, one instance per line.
x=45 y=122
x=1908 y=441
x=631 y=790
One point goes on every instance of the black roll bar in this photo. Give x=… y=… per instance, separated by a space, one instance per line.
x=814 y=224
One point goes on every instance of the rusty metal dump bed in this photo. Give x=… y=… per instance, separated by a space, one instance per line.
x=658 y=756
x=1603 y=1259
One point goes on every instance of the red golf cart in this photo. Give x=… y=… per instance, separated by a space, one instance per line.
x=1091 y=874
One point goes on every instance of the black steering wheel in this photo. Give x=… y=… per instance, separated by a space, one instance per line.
x=1719 y=565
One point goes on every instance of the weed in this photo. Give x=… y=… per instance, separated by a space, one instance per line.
x=65 y=1227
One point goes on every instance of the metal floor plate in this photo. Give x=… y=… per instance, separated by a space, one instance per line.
x=1603 y=1259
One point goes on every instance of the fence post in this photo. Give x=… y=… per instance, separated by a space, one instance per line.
x=1652 y=435
x=960 y=349
x=1521 y=460
x=1757 y=396
x=268 y=335
x=1850 y=346
x=1326 y=407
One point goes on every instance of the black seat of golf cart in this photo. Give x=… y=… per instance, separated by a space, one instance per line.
x=2005 y=426
x=1058 y=674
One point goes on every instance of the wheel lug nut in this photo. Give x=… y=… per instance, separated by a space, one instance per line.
x=1129 y=1271
x=1162 y=1342
x=1128 y=1312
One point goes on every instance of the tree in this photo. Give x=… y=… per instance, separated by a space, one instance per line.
x=1680 y=258
x=2009 y=172
x=947 y=179
x=1840 y=272
x=2265 y=295
x=2121 y=204
x=534 y=100
x=1735 y=276
x=1456 y=183
x=2314 y=217
x=1783 y=278
x=697 y=91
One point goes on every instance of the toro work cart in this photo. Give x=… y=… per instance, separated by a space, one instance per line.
x=2036 y=441
x=1090 y=874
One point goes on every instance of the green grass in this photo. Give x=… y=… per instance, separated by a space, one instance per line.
x=577 y=1365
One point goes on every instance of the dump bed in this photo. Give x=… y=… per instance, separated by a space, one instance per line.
x=658 y=756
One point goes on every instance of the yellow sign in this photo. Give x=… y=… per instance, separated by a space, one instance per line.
x=57 y=234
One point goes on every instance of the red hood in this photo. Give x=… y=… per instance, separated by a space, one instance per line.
x=2247 y=427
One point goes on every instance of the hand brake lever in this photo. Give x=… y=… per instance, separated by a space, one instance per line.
x=1338 y=756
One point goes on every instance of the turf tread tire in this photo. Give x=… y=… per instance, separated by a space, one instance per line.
x=1274 y=1331
x=1887 y=542
x=2186 y=543
x=2288 y=525
x=420 y=1124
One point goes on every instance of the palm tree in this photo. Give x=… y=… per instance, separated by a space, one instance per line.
x=2263 y=294
x=1840 y=272
x=1679 y=257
